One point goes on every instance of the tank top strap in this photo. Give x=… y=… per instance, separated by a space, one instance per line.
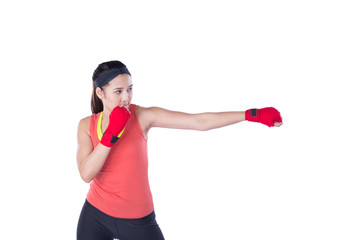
x=93 y=129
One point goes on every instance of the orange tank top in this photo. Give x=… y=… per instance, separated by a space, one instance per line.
x=121 y=189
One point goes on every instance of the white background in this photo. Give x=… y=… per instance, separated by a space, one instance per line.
x=245 y=181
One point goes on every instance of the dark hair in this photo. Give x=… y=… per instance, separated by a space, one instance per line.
x=96 y=103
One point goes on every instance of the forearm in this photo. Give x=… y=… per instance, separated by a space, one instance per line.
x=92 y=164
x=221 y=119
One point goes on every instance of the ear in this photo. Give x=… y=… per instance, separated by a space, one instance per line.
x=99 y=93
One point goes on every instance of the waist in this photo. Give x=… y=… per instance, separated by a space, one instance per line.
x=130 y=200
x=101 y=214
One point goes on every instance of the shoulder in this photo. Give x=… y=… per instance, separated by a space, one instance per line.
x=145 y=116
x=84 y=125
x=85 y=121
x=145 y=112
x=161 y=117
x=158 y=117
x=141 y=112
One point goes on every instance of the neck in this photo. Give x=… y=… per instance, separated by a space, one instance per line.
x=105 y=116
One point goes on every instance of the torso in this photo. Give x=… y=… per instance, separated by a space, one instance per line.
x=121 y=187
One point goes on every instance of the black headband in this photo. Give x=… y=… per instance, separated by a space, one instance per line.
x=109 y=75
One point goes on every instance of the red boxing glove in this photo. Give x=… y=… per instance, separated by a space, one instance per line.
x=117 y=121
x=266 y=116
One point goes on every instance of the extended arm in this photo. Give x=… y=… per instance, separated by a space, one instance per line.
x=159 y=117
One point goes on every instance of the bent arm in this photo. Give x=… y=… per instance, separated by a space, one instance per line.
x=159 y=117
x=89 y=160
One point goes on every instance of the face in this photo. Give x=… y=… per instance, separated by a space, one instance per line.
x=118 y=92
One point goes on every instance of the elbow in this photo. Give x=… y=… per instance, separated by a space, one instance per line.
x=204 y=128
x=86 y=177
x=202 y=123
x=86 y=174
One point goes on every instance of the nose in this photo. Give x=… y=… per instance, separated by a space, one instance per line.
x=125 y=99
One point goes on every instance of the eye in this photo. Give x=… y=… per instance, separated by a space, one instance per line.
x=118 y=92
x=130 y=89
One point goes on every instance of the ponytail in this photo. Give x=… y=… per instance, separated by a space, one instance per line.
x=96 y=103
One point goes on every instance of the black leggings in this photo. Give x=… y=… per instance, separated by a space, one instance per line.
x=96 y=225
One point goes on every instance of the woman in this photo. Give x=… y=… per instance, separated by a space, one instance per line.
x=112 y=155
